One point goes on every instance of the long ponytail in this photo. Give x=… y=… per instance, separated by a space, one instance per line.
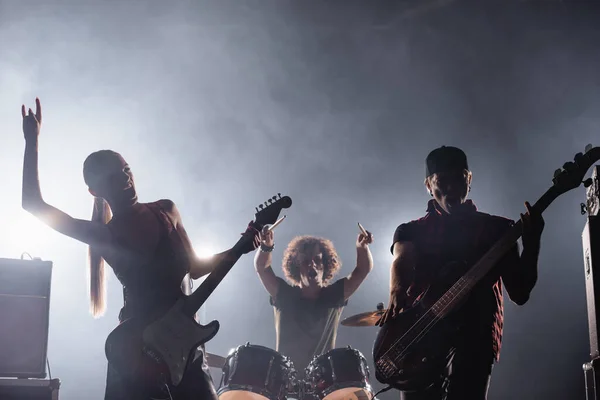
x=103 y=214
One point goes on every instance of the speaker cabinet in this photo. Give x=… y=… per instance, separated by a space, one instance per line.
x=591 y=374
x=24 y=312
x=29 y=389
x=591 y=254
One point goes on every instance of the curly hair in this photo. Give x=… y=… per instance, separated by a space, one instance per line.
x=301 y=244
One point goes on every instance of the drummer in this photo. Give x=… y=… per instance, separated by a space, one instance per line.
x=308 y=306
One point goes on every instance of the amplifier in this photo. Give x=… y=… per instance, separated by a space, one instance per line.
x=29 y=389
x=591 y=255
x=592 y=193
x=24 y=311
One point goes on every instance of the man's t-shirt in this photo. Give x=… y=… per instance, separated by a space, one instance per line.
x=306 y=328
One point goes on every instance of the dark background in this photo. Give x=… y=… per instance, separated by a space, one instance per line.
x=218 y=105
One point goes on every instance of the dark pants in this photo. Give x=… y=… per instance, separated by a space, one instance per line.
x=466 y=377
x=196 y=384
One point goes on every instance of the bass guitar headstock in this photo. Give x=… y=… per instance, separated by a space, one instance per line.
x=571 y=175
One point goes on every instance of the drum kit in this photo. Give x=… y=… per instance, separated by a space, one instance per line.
x=253 y=372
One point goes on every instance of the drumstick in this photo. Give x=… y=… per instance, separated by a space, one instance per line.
x=362 y=229
x=280 y=220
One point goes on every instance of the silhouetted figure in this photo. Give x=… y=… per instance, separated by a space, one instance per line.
x=145 y=244
x=453 y=230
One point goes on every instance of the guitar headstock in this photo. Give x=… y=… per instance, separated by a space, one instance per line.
x=268 y=212
x=571 y=175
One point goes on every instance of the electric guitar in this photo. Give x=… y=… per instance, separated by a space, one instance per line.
x=157 y=351
x=411 y=347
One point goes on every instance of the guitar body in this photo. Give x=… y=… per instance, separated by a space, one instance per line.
x=159 y=352
x=405 y=357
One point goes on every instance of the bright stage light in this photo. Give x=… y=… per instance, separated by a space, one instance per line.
x=25 y=234
x=205 y=252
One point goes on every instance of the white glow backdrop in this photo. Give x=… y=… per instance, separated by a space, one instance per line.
x=220 y=105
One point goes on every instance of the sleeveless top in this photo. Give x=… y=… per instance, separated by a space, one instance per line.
x=439 y=239
x=155 y=282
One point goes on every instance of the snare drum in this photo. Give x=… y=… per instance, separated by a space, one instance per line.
x=254 y=372
x=339 y=374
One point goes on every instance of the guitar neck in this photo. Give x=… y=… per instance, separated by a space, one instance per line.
x=461 y=289
x=197 y=299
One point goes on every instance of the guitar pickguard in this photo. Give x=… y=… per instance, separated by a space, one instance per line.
x=175 y=337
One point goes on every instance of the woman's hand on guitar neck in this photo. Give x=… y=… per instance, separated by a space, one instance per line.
x=250 y=239
x=32 y=122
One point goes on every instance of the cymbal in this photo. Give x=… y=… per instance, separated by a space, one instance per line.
x=214 y=360
x=369 y=318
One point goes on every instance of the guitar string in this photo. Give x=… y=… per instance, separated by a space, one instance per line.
x=468 y=286
x=426 y=329
x=169 y=392
x=419 y=335
x=435 y=320
x=412 y=328
x=443 y=308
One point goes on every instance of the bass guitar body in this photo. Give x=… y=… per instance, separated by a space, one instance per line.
x=157 y=353
x=413 y=347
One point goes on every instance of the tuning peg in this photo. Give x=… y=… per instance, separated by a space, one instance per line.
x=279 y=194
x=557 y=172
x=588 y=147
x=266 y=204
x=256 y=208
x=260 y=206
x=274 y=198
x=270 y=201
x=568 y=166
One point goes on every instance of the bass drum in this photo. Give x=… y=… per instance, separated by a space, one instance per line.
x=254 y=372
x=339 y=374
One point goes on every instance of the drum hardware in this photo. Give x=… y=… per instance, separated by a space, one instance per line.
x=332 y=368
x=370 y=318
x=214 y=360
x=268 y=374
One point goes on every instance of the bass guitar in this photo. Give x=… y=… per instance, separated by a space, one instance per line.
x=157 y=351
x=411 y=347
